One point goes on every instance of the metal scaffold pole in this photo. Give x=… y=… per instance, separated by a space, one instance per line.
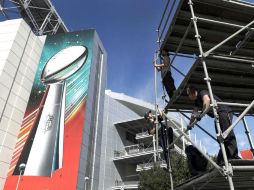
x=228 y=171
x=247 y=131
x=156 y=96
x=155 y=92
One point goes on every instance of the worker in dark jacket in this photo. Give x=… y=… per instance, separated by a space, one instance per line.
x=202 y=102
x=165 y=133
x=166 y=76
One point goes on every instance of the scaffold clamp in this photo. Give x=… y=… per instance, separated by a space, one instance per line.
x=207 y=79
x=229 y=171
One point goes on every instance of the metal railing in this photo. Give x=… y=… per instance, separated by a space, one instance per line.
x=150 y=165
x=143 y=135
x=134 y=149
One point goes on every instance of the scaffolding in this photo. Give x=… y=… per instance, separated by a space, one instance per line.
x=219 y=36
x=40 y=15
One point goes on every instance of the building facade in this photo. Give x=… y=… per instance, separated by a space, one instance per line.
x=58 y=123
x=20 y=53
x=126 y=147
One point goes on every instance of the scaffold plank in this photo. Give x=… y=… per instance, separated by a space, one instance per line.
x=243 y=179
x=217 y=20
x=232 y=81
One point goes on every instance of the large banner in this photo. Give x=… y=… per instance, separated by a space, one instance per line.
x=48 y=149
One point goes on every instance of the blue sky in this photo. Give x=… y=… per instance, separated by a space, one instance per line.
x=127 y=30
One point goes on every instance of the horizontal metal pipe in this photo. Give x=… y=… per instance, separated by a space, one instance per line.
x=225 y=133
x=233 y=104
x=242 y=3
x=178 y=110
x=243 y=168
x=221 y=22
x=183 y=55
x=227 y=39
x=246 y=60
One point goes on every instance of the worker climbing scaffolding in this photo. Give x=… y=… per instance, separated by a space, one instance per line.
x=165 y=133
x=165 y=70
x=220 y=35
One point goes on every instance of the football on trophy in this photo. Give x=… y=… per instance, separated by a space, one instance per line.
x=64 y=63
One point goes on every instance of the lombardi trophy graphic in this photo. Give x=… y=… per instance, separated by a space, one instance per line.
x=46 y=153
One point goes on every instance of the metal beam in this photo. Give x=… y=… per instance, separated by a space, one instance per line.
x=164 y=12
x=227 y=39
x=205 y=131
x=233 y=104
x=45 y=22
x=241 y=43
x=181 y=42
x=238 y=59
x=166 y=22
x=225 y=133
x=247 y=132
x=208 y=20
x=201 y=151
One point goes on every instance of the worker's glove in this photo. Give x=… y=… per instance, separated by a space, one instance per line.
x=189 y=127
x=198 y=116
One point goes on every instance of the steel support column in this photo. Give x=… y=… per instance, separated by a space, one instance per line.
x=213 y=102
x=247 y=131
x=155 y=103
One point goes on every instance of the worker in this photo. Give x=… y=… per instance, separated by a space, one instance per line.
x=165 y=133
x=166 y=76
x=202 y=102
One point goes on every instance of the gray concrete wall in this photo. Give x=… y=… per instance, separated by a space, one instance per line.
x=111 y=140
x=20 y=51
x=92 y=133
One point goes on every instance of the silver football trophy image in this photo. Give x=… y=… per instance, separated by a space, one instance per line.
x=46 y=153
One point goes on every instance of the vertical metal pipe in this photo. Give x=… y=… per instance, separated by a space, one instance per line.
x=183 y=138
x=154 y=149
x=170 y=175
x=213 y=102
x=156 y=112
x=247 y=131
x=155 y=91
